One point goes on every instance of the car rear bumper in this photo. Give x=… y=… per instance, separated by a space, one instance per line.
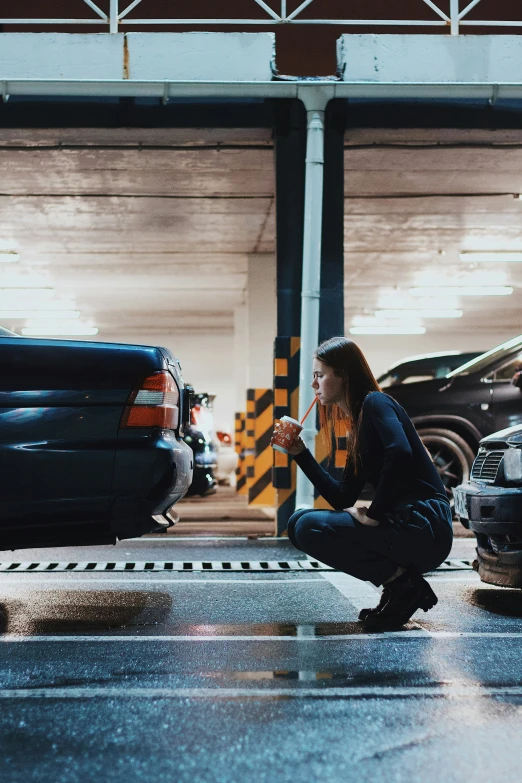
x=493 y=510
x=500 y=568
x=152 y=471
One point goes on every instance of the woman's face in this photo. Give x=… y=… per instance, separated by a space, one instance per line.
x=327 y=385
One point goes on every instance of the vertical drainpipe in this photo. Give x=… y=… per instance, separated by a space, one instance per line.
x=113 y=16
x=315 y=101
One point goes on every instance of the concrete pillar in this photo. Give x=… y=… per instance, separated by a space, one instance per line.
x=240 y=356
x=331 y=309
x=261 y=320
x=290 y=151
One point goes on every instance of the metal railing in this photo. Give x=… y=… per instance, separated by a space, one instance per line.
x=117 y=20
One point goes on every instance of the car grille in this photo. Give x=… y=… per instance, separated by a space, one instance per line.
x=485 y=467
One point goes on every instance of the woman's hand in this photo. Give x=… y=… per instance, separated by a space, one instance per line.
x=297 y=446
x=360 y=515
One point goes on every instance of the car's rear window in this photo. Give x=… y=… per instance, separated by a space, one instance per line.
x=485 y=360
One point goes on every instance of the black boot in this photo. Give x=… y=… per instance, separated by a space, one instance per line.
x=407 y=593
x=364 y=613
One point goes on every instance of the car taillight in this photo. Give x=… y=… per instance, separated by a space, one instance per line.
x=154 y=403
x=194 y=415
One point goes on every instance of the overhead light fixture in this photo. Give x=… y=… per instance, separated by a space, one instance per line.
x=17 y=291
x=491 y=256
x=58 y=329
x=419 y=313
x=404 y=302
x=474 y=277
x=37 y=314
x=397 y=320
x=477 y=290
x=56 y=306
x=9 y=257
x=387 y=329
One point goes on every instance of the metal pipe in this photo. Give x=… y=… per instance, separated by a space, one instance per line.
x=259 y=89
x=454 y=16
x=113 y=17
x=315 y=104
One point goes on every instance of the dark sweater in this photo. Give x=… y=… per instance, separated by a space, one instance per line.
x=392 y=458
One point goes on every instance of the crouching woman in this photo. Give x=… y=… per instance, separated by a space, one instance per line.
x=407 y=529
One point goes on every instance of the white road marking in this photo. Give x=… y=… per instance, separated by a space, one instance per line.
x=321 y=692
x=170 y=538
x=73 y=579
x=412 y=635
x=360 y=594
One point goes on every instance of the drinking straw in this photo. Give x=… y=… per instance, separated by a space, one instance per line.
x=309 y=409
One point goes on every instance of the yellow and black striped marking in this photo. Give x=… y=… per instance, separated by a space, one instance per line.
x=239 y=445
x=286 y=403
x=260 y=487
x=334 y=462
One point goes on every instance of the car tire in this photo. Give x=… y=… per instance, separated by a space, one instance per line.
x=451 y=454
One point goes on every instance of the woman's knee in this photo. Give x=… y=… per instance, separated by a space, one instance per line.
x=308 y=525
x=293 y=521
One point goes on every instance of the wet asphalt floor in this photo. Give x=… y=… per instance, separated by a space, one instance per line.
x=237 y=676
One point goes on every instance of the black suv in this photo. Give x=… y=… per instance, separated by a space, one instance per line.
x=491 y=505
x=424 y=367
x=452 y=414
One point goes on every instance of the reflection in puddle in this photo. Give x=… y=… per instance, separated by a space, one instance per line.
x=63 y=612
x=269 y=629
x=323 y=678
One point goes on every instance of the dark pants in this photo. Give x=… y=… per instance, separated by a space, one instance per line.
x=422 y=538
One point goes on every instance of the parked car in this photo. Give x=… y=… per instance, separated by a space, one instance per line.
x=201 y=437
x=491 y=505
x=424 y=367
x=452 y=414
x=91 y=446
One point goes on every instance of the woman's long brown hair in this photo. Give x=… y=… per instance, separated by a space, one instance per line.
x=347 y=361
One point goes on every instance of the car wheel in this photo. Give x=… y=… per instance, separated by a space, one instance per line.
x=452 y=456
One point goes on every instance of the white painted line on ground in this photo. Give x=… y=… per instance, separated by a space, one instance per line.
x=467 y=576
x=413 y=635
x=321 y=692
x=73 y=579
x=360 y=594
x=170 y=538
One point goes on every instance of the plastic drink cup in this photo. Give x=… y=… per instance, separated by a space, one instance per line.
x=288 y=432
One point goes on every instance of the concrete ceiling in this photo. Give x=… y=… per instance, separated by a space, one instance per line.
x=148 y=231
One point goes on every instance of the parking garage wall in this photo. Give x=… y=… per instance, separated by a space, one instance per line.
x=207 y=363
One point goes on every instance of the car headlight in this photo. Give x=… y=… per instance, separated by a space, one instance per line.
x=513 y=465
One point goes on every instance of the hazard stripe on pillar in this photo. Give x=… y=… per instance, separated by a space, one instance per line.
x=331 y=463
x=250 y=437
x=239 y=446
x=286 y=403
x=261 y=490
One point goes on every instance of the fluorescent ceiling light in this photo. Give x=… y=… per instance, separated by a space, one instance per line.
x=477 y=290
x=387 y=329
x=369 y=320
x=51 y=329
x=33 y=303
x=43 y=293
x=14 y=279
x=419 y=313
x=491 y=256
x=474 y=277
x=405 y=302
x=25 y=314
x=8 y=257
